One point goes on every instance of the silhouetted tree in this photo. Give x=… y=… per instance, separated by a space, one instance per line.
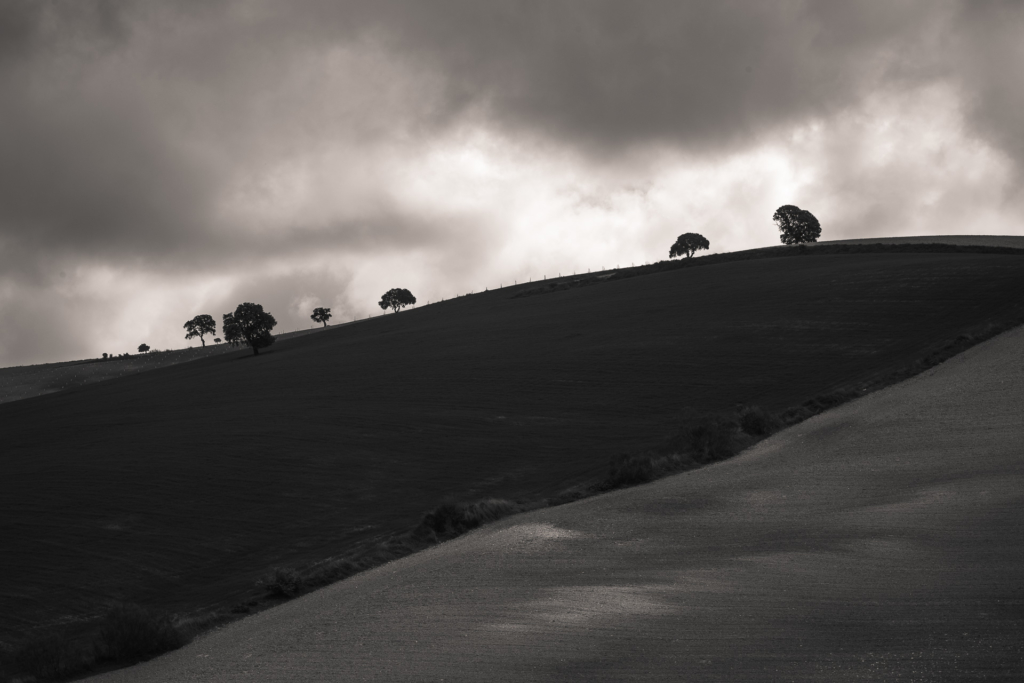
x=688 y=244
x=249 y=325
x=396 y=299
x=232 y=335
x=200 y=325
x=796 y=225
x=216 y=340
x=143 y=348
x=321 y=315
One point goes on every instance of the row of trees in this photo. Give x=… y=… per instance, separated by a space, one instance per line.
x=249 y=325
x=796 y=226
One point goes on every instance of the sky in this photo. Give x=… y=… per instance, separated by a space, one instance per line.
x=160 y=160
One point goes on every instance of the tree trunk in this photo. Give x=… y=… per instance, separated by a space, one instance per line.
x=202 y=340
x=325 y=324
x=255 y=351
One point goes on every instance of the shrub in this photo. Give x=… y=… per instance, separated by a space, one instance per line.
x=130 y=634
x=283 y=583
x=757 y=421
x=52 y=656
x=713 y=439
x=816 y=405
x=639 y=468
x=451 y=519
x=629 y=470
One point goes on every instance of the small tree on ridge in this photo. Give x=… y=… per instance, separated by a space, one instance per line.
x=396 y=299
x=688 y=244
x=321 y=315
x=143 y=348
x=200 y=325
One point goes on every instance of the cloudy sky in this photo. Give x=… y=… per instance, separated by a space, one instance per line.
x=164 y=159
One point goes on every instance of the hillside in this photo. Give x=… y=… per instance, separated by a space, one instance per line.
x=877 y=542
x=26 y=381
x=181 y=486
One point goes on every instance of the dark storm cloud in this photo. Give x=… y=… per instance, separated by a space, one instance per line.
x=125 y=124
x=194 y=139
x=612 y=74
x=989 y=52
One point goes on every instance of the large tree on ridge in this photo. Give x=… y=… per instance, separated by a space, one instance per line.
x=688 y=244
x=396 y=299
x=321 y=315
x=796 y=225
x=200 y=325
x=249 y=325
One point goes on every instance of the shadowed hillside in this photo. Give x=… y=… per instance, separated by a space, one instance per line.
x=179 y=487
x=26 y=381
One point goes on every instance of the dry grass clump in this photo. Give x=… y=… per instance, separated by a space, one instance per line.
x=125 y=635
x=130 y=634
x=706 y=440
x=53 y=656
x=451 y=519
x=447 y=521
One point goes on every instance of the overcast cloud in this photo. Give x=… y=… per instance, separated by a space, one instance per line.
x=160 y=160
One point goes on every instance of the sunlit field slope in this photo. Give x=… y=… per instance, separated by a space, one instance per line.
x=180 y=487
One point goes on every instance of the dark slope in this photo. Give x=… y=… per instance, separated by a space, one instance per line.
x=25 y=381
x=877 y=542
x=179 y=487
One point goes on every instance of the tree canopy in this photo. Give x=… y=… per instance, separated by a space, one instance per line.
x=200 y=325
x=396 y=299
x=143 y=348
x=249 y=325
x=796 y=225
x=321 y=315
x=688 y=244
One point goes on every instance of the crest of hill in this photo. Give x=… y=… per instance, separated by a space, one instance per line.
x=1007 y=241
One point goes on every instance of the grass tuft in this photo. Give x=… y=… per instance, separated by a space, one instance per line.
x=816 y=405
x=714 y=438
x=126 y=635
x=756 y=421
x=452 y=519
x=129 y=634
x=283 y=583
x=54 y=656
x=632 y=469
x=448 y=520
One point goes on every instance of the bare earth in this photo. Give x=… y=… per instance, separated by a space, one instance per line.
x=880 y=541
